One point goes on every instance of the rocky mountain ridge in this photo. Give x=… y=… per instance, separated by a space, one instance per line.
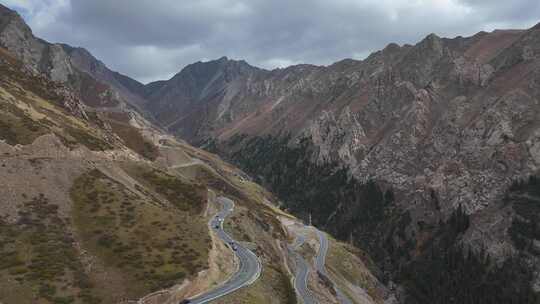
x=446 y=124
x=392 y=116
x=98 y=205
x=75 y=67
x=410 y=151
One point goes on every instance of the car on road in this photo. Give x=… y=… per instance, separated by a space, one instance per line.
x=217 y=226
x=233 y=246
x=185 y=302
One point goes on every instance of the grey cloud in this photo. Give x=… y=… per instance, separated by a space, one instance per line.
x=515 y=11
x=149 y=40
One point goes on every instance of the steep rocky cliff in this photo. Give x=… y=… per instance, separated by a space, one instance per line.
x=444 y=123
x=98 y=205
x=76 y=67
x=450 y=115
x=419 y=153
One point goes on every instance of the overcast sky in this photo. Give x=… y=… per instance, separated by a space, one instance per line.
x=153 y=39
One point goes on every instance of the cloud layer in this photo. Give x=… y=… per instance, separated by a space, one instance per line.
x=150 y=40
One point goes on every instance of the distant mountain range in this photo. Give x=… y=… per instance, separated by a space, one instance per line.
x=100 y=205
x=417 y=149
x=444 y=124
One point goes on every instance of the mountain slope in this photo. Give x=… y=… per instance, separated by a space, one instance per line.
x=441 y=124
x=201 y=91
x=100 y=206
x=75 y=67
x=62 y=179
x=415 y=154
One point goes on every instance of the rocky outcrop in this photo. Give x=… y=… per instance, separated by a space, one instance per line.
x=17 y=37
x=129 y=90
x=74 y=67
x=455 y=118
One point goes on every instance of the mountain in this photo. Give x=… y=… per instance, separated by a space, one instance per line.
x=200 y=93
x=423 y=156
x=129 y=89
x=444 y=127
x=99 y=205
x=73 y=66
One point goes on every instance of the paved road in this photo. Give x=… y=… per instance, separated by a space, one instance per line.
x=320 y=262
x=302 y=272
x=250 y=266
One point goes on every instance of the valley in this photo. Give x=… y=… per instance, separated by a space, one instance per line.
x=410 y=176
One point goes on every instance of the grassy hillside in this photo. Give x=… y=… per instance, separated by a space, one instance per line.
x=31 y=106
x=94 y=238
x=151 y=245
x=130 y=135
x=39 y=259
x=80 y=226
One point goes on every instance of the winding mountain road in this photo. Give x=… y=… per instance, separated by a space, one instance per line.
x=302 y=272
x=320 y=262
x=250 y=266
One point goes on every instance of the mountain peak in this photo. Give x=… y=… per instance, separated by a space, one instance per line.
x=431 y=38
x=7 y=15
x=221 y=64
x=431 y=43
x=6 y=10
x=391 y=48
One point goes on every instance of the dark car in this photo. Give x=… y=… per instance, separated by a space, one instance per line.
x=217 y=226
x=185 y=302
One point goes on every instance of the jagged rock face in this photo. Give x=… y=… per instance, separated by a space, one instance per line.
x=464 y=129
x=128 y=89
x=457 y=116
x=42 y=57
x=200 y=92
x=17 y=37
x=66 y=64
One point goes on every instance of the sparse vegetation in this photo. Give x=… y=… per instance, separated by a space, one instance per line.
x=151 y=246
x=133 y=139
x=185 y=196
x=78 y=136
x=12 y=70
x=16 y=127
x=38 y=252
x=273 y=287
x=341 y=260
x=31 y=106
